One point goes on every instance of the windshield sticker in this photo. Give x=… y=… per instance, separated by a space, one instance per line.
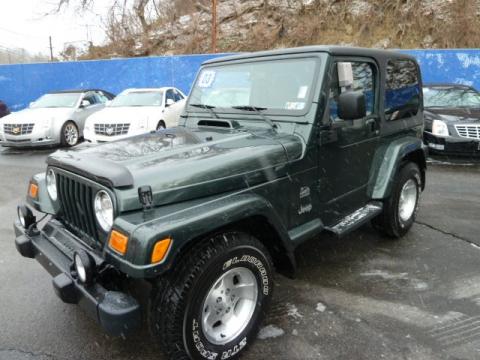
x=294 y=105
x=302 y=92
x=206 y=79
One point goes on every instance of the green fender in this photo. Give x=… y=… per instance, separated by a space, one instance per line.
x=186 y=223
x=43 y=203
x=387 y=161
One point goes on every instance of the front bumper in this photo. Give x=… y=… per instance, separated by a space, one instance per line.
x=118 y=313
x=451 y=145
x=31 y=140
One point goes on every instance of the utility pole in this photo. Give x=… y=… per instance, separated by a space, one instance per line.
x=214 y=26
x=51 y=48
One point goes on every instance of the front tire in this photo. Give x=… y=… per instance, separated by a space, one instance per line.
x=211 y=304
x=69 y=136
x=400 y=209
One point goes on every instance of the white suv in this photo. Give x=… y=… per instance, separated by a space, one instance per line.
x=132 y=112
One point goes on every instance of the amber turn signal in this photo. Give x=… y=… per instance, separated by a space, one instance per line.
x=33 y=190
x=160 y=250
x=118 y=242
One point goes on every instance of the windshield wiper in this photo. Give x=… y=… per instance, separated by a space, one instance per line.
x=207 y=107
x=258 y=110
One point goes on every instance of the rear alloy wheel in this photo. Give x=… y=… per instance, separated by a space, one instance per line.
x=211 y=305
x=69 y=136
x=161 y=125
x=400 y=209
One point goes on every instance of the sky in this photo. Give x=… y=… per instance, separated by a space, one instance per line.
x=23 y=24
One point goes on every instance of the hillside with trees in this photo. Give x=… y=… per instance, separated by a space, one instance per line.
x=158 y=27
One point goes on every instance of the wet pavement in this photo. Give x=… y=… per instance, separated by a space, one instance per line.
x=362 y=297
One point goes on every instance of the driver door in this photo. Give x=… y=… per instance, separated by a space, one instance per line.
x=347 y=147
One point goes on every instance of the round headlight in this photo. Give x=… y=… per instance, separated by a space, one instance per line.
x=104 y=210
x=52 y=184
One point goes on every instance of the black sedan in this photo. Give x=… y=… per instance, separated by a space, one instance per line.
x=3 y=109
x=452 y=119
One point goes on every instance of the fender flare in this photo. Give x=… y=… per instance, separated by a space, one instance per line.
x=387 y=161
x=192 y=223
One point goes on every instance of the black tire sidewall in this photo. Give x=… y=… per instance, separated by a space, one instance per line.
x=196 y=344
x=409 y=171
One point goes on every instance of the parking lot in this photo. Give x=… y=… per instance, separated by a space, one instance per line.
x=362 y=297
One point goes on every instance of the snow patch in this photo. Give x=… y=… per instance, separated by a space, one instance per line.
x=321 y=307
x=269 y=332
x=386 y=275
x=293 y=311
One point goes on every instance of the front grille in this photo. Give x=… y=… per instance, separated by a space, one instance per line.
x=76 y=200
x=18 y=129
x=468 y=131
x=111 y=129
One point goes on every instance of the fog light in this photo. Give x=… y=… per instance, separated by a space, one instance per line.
x=84 y=266
x=25 y=216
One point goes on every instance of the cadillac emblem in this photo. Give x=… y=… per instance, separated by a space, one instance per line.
x=109 y=130
x=16 y=130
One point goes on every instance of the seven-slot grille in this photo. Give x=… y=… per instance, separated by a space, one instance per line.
x=468 y=131
x=76 y=200
x=112 y=129
x=18 y=129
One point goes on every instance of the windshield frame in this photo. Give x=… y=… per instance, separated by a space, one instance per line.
x=319 y=57
x=447 y=88
x=126 y=94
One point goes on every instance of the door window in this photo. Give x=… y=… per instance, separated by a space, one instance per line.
x=170 y=95
x=91 y=98
x=402 y=90
x=363 y=80
x=178 y=96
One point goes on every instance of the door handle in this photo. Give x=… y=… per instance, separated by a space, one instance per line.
x=372 y=123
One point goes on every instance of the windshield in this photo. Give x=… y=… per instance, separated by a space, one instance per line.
x=67 y=100
x=269 y=85
x=451 y=97
x=138 y=98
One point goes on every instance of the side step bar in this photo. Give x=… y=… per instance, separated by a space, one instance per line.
x=356 y=219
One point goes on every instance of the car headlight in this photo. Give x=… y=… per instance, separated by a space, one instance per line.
x=51 y=181
x=104 y=210
x=439 y=128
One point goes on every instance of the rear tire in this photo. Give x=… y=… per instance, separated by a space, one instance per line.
x=161 y=125
x=400 y=209
x=212 y=303
x=69 y=136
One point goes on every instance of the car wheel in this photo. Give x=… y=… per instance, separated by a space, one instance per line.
x=69 y=136
x=161 y=125
x=400 y=209
x=211 y=305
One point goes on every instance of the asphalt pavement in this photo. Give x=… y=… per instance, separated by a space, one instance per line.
x=362 y=297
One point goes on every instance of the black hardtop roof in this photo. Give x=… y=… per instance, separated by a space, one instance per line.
x=331 y=49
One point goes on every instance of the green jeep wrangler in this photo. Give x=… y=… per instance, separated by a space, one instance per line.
x=273 y=148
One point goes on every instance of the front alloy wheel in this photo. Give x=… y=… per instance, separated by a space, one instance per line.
x=211 y=305
x=70 y=134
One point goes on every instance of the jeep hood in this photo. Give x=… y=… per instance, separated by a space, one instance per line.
x=181 y=163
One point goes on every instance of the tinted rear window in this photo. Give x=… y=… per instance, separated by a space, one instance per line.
x=402 y=94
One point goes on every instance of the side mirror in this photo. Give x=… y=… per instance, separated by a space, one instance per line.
x=169 y=102
x=85 y=103
x=351 y=105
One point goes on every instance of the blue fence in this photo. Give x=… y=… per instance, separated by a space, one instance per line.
x=23 y=83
